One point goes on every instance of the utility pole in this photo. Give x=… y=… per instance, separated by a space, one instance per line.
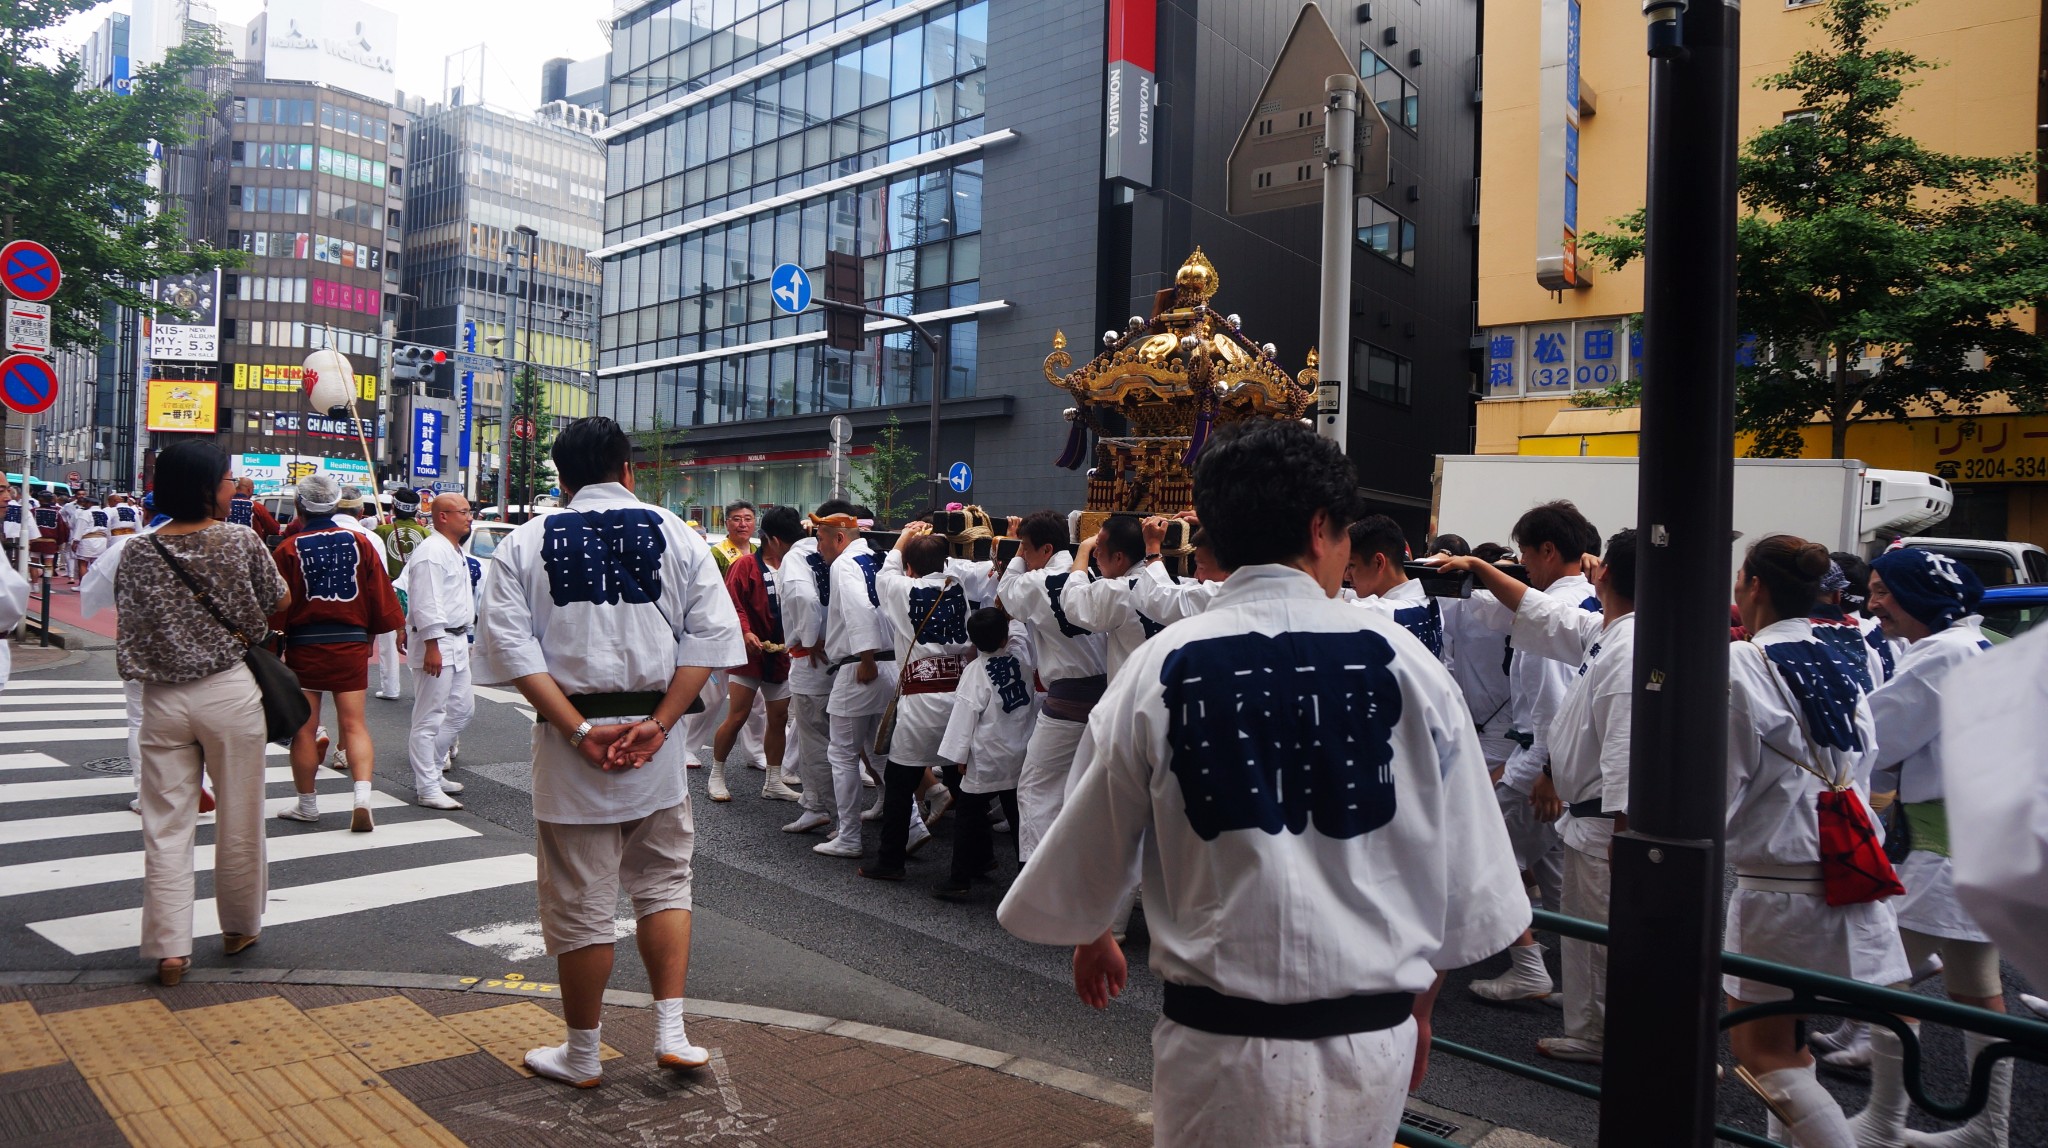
x=1663 y=984
x=1342 y=93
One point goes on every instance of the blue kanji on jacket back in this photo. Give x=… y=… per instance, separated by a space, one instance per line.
x=948 y=621
x=1825 y=684
x=1426 y=622
x=1273 y=732
x=603 y=556
x=328 y=560
x=1007 y=675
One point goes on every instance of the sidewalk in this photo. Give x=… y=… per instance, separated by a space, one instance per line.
x=106 y=1060
x=65 y=618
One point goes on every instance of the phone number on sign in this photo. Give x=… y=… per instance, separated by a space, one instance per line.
x=2025 y=466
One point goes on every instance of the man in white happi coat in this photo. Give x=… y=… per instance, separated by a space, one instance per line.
x=805 y=582
x=1379 y=552
x=1589 y=758
x=1101 y=595
x=608 y=616
x=1930 y=600
x=1166 y=599
x=1299 y=784
x=92 y=529
x=861 y=657
x=1071 y=665
x=1555 y=539
x=440 y=612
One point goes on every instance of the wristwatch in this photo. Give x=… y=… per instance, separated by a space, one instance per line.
x=1153 y=557
x=577 y=735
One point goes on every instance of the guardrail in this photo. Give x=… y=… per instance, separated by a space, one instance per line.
x=1813 y=994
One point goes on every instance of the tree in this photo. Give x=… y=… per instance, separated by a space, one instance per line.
x=72 y=164
x=532 y=473
x=661 y=479
x=883 y=476
x=1878 y=277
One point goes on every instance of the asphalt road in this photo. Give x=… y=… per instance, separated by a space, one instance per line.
x=774 y=925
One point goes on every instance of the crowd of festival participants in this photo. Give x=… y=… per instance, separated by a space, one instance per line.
x=1331 y=786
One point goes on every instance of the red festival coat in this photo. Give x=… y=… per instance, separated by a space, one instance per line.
x=750 y=597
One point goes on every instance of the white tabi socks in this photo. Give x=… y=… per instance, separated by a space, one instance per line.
x=1882 y=1123
x=1527 y=977
x=1988 y=1129
x=1817 y=1121
x=715 y=785
x=672 y=1046
x=573 y=1063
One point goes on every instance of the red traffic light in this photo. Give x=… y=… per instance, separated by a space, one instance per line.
x=440 y=356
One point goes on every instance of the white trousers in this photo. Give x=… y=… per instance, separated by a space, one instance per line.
x=699 y=728
x=1539 y=851
x=1042 y=783
x=1232 y=1091
x=1586 y=891
x=388 y=661
x=850 y=736
x=812 y=746
x=441 y=708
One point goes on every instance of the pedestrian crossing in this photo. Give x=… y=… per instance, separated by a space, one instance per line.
x=71 y=859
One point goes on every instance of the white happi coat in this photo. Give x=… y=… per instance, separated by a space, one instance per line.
x=854 y=626
x=91 y=530
x=1909 y=758
x=439 y=599
x=942 y=650
x=992 y=716
x=607 y=595
x=1414 y=611
x=19 y=520
x=1105 y=606
x=13 y=608
x=1589 y=737
x=1035 y=597
x=1536 y=684
x=1994 y=721
x=1793 y=699
x=805 y=583
x=1157 y=596
x=1477 y=655
x=1274 y=868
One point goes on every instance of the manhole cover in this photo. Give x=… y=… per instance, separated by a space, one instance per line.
x=1429 y=1124
x=118 y=765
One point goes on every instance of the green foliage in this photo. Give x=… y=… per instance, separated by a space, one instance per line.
x=532 y=472
x=72 y=164
x=882 y=479
x=1856 y=242
x=661 y=480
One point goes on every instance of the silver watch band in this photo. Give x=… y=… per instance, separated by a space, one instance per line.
x=577 y=735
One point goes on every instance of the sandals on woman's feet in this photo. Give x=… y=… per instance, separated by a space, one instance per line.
x=171 y=970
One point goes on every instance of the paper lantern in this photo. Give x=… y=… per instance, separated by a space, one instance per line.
x=330 y=381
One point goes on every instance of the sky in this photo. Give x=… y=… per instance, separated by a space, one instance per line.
x=519 y=35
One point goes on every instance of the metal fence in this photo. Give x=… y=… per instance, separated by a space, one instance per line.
x=1813 y=994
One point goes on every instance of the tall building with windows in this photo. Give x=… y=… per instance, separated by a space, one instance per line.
x=477 y=284
x=959 y=149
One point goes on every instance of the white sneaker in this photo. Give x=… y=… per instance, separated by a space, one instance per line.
x=836 y=848
x=773 y=790
x=918 y=836
x=448 y=786
x=387 y=697
x=360 y=820
x=553 y=1063
x=873 y=812
x=941 y=801
x=808 y=821
x=339 y=762
x=135 y=805
x=716 y=785
x=433 y=800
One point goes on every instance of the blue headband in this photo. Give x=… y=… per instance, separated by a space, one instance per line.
x=1934 y=588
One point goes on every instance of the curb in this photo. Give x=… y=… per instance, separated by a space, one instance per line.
x=1135 y=1101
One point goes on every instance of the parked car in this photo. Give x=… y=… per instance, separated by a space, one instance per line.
x=1995 y=563
x=484 y=538
x=520 y=511
x=2010 y=611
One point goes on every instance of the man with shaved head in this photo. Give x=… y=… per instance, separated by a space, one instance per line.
x=440 y=583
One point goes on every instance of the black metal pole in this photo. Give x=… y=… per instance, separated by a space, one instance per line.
x=1663 y=988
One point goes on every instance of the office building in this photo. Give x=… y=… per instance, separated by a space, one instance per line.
x=577 y=82
x=958 y=148
x=1544 y=342
x=479 y=175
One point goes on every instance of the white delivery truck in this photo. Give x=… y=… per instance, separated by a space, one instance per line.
x=1839 y=503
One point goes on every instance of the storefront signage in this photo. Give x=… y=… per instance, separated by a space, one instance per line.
x=183 y=405
x=1560 y=100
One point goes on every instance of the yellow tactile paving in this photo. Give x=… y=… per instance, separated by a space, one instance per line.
x=24 y=1042
x=307 y=1081
x=378 y=1117
x=123 y=1037
x=165 y=1086
x=391 y=1032
x=259 y=1033
x=193 y=1102
x=507 y=1032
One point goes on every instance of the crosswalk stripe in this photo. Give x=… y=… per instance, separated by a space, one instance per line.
x=105 y=868
x=494 y=694
x=31 y=761
x=17 y=685
x=119 y=928
x=11 y=700
x=23 y=831
x=97 y=786
x=66 y=718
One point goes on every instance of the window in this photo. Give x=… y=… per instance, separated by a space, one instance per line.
x=1381 y=374
x=1389 y=89
x=1386 y=232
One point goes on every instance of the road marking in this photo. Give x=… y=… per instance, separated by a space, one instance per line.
x=97 y=786
x=24 y=830
x=12 y=700
x=520 y=940
x=65 y=718
x=506 y=697
x=97 y=733
x=119 y=929
x=32 y=761
x=17 y=685
x=106 y=868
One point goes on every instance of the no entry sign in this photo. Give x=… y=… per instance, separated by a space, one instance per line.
x=29 y=270
x=27 y=384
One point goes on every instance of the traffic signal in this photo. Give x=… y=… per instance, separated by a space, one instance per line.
x=427 y=369
x=844 y=328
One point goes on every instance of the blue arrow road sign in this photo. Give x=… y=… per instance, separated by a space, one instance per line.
x=791 y=288
x=960 y=477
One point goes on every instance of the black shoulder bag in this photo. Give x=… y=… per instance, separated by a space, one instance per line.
x=285 y=710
